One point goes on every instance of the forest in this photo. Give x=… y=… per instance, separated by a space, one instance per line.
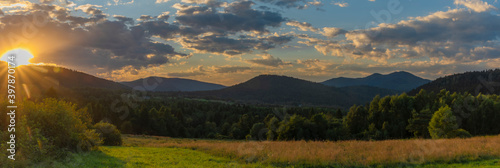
x=94 y=117
x=425 y=115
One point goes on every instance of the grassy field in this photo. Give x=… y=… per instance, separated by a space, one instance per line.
x=147 y=157
x=344 y=153
x=154 y=151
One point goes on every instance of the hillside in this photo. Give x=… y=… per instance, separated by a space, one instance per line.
x=174 y=84
x=400 y=81
x=485 y=82
x=288 y=90
x=37 y=79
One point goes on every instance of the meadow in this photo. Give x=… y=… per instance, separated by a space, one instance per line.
x=472 y=152
x=156 y=151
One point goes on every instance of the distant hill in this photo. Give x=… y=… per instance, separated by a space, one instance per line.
x=400 y=81
x=485 y=82
x=174 y=84
x=37 y=79
x=287 y=90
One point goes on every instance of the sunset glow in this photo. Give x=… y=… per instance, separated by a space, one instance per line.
x=23 y=56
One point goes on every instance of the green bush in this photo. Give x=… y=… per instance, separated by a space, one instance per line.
x=460 y=133
x=50 y=129
x=110 y=135
x=59 y=122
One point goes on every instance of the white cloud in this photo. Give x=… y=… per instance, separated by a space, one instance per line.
x=475 y=5
x=161 y=1
x=331 y=32
x=303 y=26
x=341 y=4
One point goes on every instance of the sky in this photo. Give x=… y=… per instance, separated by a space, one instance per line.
x=229 y=42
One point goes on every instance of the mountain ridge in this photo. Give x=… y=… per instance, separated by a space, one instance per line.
x=474 y=82
x=174 y=84
x=277 y=89
x=399 y=80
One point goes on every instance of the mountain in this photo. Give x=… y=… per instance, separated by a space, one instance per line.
x=399 y=81
x=485 y=82
x=37 y=80
x=174 y=84
x=288 y=90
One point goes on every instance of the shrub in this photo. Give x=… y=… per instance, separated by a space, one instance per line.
x=460 y=133
x=56 y=125
x=109 y=134
x=48 y=130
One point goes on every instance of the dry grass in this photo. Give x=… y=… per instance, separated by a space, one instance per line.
x=347 y=153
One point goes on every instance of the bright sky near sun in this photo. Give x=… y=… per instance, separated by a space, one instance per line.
x=21 y=57
x=228 y=42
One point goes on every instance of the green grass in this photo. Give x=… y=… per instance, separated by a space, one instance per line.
x=152 y=151
x=493 y=163
x=148 y=157
x=177 y=157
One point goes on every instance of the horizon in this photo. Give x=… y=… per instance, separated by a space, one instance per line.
x=227 y=42
x=236 y=83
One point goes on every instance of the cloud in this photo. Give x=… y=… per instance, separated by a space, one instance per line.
x=303 y=26
x=299 y=4
x=194 y=71
x=92 y=43
x=332 y=32
x=231 y=69
x=268 y=60
x=240 y=29
x=325 y=47
x=92 y=10
x=161 y=1
x=121 y=2
x=341 y=4
x=232 y=46
x=124 y=19
x=238 y=16
x=185 y=74
x=207 y=2
x=329 y=32
x=475 y=5
x=455 y=33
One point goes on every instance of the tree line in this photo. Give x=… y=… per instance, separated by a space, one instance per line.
x=425 y=115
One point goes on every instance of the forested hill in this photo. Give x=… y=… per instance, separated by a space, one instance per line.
x=175 y=84
x=400 y=81
x=39 y=79
x=288 y=90
x=485 y=82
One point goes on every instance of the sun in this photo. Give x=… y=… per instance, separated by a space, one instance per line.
x=22 y=56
